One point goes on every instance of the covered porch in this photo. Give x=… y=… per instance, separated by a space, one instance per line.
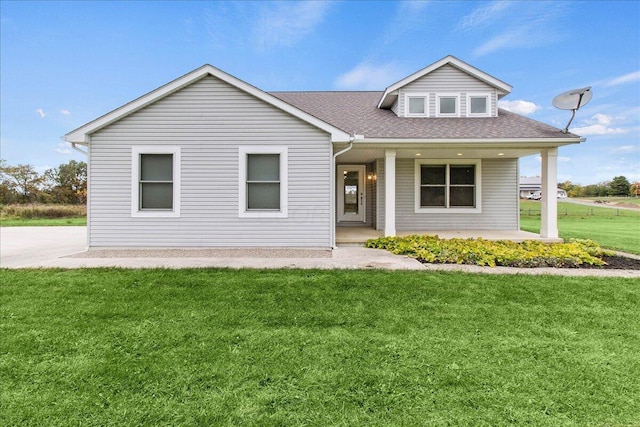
x=393 y=171
x=359 y=235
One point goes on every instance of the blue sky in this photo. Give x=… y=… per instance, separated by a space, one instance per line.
x=63 y=64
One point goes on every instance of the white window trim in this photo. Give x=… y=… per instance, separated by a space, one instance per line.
x=447 y=95
x=243 y=151
x=478 y=184
x=424 y=95
x=479 y=95
x=135 y=181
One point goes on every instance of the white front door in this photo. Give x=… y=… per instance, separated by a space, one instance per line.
x=351 y=193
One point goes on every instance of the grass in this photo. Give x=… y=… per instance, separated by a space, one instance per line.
x=42 y=215
x=611 y=228
x=43 y=222
x=115 y=347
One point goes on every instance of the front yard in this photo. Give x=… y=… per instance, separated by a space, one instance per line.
x=288 y=347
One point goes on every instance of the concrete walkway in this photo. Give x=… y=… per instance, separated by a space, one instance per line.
x=64 y=247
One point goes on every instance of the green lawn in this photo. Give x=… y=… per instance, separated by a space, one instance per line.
x=612 y=228
x=115 y=347
x=43 y=222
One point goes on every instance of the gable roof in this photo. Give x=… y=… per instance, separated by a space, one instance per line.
x=390 y=94
x=78 y=136
x=357 y=113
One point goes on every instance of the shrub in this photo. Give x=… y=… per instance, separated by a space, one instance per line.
x=481 y=252
x=42 y=211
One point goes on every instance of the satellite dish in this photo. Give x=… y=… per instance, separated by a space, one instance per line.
x=572 y=100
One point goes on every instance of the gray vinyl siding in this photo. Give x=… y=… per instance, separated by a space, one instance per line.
x=210 y=120
x=447 y=79
x=499 y=200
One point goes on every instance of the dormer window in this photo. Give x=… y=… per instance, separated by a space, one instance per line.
x=478 y=105
x=447 y=105
x=416 y=105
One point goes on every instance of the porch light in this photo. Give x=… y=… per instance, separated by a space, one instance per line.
x=372 y=177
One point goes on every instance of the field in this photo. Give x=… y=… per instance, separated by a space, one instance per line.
x=42 y=215
x=612 y=228
x=219 y=347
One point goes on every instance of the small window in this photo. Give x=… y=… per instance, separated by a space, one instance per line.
x=478 y=105
x=451 y=187
x=416 y=104
x=155 y=181
x=263 y=182
x=447 y=106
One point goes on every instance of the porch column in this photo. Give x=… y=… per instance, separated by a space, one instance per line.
x=549 y=201
x=390 y=192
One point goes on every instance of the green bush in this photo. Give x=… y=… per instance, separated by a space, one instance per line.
x=42 y=211
x=481 y=252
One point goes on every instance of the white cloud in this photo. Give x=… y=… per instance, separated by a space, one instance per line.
x=599 y=124
x=519 y=106
x=63 y=148
x=626 y=149
x=484 y=15
x=627 y=78
x=65 y=112
x=541 y=19
x=366 y=76
x=40 y=111
x=285 y=23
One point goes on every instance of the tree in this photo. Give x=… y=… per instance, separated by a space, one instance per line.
x=620 y=186
x=23 y=180
x=68 y=183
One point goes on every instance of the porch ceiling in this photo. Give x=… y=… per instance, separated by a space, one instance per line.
x=369 y=154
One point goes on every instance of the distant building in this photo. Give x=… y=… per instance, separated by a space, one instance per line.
x=531 y=188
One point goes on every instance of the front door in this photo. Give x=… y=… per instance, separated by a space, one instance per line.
x=351 y=193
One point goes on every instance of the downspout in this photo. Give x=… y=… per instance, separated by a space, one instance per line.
x=333 y=191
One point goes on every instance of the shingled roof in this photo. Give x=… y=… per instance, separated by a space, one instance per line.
x=357 y=113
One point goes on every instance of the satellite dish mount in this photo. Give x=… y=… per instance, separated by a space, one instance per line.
x=572 y=100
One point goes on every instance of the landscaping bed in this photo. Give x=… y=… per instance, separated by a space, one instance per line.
x=527 y=254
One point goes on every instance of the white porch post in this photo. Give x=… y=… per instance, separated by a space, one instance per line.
x=390 y=192
x=549 y=201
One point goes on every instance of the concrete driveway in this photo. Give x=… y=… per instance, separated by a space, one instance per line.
x=31 y=246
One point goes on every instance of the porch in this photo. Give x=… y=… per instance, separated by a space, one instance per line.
x=359 y=235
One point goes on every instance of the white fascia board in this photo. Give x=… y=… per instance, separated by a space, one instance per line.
x=78 y=135
x=502 y=87
x=497 y=142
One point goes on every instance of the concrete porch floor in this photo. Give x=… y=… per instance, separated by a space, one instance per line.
x=359 y=235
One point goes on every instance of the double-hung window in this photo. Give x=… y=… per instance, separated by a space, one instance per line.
x=155 y=183
x=478 y=105
x=449 y=186
x=263 y=182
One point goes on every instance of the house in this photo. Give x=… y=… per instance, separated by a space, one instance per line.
x=531 y=188
x=209 y=160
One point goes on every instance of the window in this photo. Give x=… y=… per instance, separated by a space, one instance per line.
x=416 y=105
x=450 y=186
x=263 y=182
x=155 y=183
x=478 y=105
x=447 y=105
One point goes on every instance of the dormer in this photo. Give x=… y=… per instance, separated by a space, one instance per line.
x=447 y=88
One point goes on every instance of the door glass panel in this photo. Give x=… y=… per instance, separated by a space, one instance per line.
x=351 y=192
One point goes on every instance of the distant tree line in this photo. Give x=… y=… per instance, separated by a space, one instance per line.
x=619 y=186
x=65 y=184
